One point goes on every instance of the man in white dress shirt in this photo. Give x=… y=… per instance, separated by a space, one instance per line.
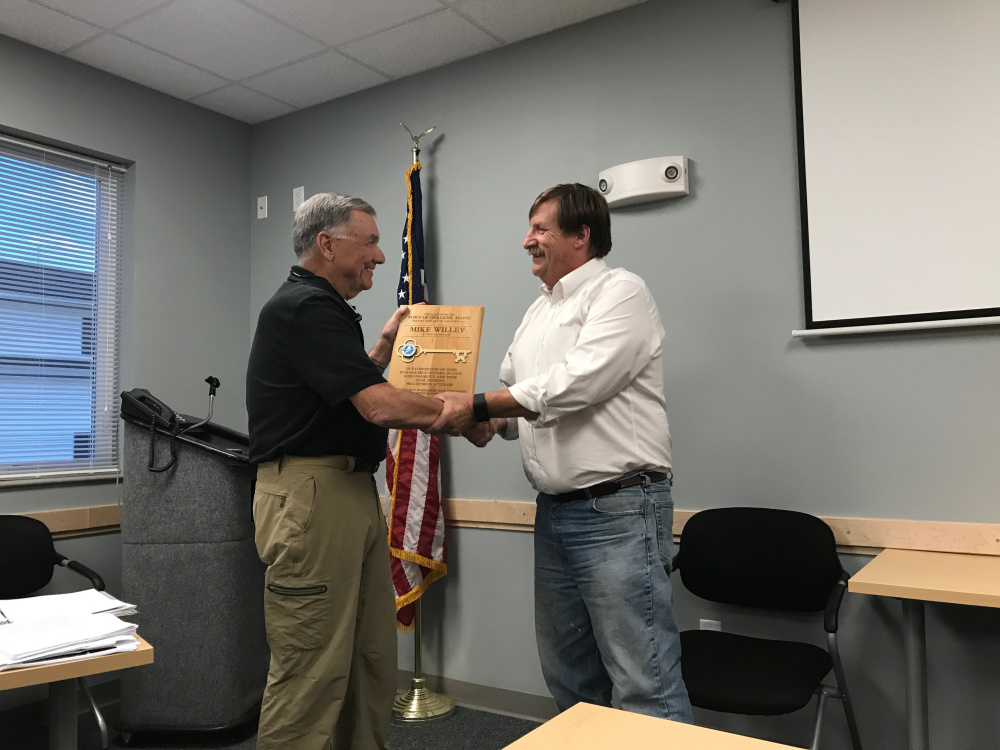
x=584 y=395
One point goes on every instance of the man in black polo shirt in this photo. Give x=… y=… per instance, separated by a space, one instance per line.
x=319 y=410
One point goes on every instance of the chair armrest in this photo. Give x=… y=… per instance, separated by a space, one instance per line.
x=833 y=604
x=95 y=579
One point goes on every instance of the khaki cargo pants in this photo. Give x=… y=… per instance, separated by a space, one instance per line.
x=329 y=606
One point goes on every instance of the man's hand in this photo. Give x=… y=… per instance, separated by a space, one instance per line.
x=480 y=433
x=392 y=325
x=456 y=415
x=381 y=353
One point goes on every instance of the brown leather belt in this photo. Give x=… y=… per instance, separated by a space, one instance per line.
x=607 y=488
x=348 y=463
x=366 y=467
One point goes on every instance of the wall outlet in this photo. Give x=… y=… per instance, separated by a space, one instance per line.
x=298 y=195
x=710 y=624
x=262 y=207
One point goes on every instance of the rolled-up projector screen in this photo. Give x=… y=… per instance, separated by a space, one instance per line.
x=900 y=156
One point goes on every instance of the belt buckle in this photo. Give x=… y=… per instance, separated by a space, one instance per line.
x=364 y=467
x=639 y=479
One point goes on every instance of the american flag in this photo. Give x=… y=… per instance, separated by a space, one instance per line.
x=416 y=523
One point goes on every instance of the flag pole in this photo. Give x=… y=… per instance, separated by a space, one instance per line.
x=418 y=704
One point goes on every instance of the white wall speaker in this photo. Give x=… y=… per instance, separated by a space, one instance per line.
x=644 y=180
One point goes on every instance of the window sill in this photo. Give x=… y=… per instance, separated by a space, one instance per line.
x=38 y=479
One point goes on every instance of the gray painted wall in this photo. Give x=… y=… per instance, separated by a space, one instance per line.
x=894 y=427
x=186 y=264
x=185 y=273
x=900 y=426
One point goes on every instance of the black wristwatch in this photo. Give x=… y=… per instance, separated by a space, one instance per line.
x=480 y=411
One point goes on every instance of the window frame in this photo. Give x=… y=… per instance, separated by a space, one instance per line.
x=94 y=454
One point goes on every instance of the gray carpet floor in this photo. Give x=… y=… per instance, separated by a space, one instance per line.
x=466 y=729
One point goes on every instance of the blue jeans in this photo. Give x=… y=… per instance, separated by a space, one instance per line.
x=603 y=602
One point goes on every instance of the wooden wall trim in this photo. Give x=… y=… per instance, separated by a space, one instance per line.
x=874 y=534
x=856 y=535
x=68 y=522
x=511 y=515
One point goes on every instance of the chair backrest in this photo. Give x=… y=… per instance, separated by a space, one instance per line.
x=27 y=556
x=759 y=557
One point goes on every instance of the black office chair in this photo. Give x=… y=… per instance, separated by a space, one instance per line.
x=766 y=559
x=27 y=559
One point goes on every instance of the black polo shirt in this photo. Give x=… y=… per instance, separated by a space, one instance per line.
x=308 y=358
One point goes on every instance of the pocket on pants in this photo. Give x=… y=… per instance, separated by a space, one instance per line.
x=298 y=614
x=665 y=532
x=628 y=502
x=280 y=515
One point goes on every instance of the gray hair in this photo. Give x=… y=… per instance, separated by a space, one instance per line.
x=324 y=212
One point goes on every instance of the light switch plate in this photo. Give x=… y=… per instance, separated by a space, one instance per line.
x=298 y=195
x=262 y=207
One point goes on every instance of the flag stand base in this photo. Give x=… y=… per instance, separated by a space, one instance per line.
x=420 y=704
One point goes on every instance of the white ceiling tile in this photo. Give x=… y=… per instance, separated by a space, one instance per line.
x=193 y=48
x=148 y=67
x=513 y=20
x=221 y=36
x=418 y=45
x=43 y=27
x=347 y=19
x=318 y=79
x=103 y=13
x=242 y=104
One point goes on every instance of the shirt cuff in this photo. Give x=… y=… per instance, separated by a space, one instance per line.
x=527 y=396
x=509 y=430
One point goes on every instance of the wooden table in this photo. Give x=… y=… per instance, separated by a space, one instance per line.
x=916 y=577
x=587 y=727
x=61 y=679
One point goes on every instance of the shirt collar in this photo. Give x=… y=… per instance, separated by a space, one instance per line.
x=300 y=275
x=568 y=285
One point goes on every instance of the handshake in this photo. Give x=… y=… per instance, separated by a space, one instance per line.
x=456 y=418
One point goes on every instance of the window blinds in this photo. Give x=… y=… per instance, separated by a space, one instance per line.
x=60 y=279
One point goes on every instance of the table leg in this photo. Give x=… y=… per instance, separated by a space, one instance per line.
x=914 y=640
x=62 y=715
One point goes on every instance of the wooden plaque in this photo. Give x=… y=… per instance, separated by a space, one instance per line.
x=437 y=349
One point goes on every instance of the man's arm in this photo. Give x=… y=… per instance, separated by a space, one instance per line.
x=619 y=336
x=482 y=433
x=387 y=406
x=501 y=404
x=381 y=353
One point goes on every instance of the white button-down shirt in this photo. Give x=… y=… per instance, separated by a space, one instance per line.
x=588 y=359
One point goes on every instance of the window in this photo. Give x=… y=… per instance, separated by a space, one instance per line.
x=60 y=227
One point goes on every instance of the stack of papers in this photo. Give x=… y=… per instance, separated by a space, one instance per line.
x=86 y=602
x=57 y=639
x=63 y=627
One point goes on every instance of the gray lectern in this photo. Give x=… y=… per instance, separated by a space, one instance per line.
x=190 y=566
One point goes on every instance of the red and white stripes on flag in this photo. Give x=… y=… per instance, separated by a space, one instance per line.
x=412 y=474
x=416 y=523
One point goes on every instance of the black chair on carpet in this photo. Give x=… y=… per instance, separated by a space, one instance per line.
x=769 y=559
x=27 y=559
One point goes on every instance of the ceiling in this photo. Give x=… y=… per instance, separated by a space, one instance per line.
x=258 y=59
